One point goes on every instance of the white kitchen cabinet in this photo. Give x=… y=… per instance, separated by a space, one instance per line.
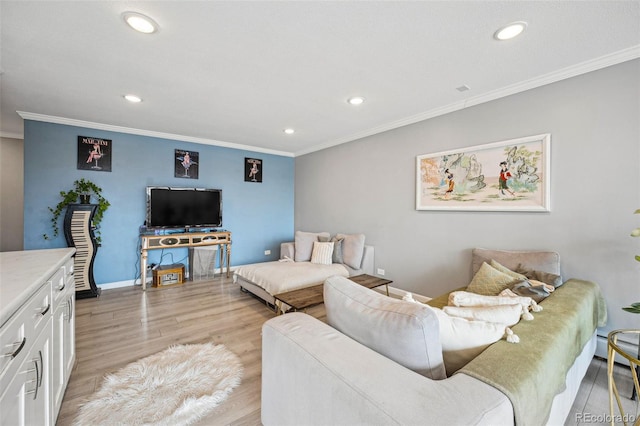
x=63 y=357
x=29 y=308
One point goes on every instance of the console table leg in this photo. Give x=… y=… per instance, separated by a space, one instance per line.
x=143 y=269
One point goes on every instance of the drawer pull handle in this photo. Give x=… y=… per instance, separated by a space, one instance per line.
x=70 y=306
x=41 y=373
x=62 y=288
x=43 y=313
x=17 y=351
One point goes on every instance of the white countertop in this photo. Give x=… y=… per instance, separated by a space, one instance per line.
x=22 y=273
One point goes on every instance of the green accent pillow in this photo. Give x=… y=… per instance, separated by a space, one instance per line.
x=507 y=271
x=489 y=281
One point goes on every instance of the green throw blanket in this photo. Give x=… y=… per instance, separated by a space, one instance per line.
x=533 y=371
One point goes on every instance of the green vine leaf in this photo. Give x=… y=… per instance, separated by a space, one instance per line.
x=634 y=308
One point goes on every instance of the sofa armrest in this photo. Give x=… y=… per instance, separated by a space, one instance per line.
x=288 y=249
x=314 y=375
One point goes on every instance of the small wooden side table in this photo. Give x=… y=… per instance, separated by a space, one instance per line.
x=307 y=297
x=634 y=362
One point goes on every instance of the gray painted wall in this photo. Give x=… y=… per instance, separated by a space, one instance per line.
x=12 y=190
x=368 y=186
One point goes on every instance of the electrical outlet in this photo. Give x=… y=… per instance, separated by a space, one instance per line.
x=381 y=272
x=267 y=252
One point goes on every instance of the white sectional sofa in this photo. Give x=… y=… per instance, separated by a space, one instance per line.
x=359 y=369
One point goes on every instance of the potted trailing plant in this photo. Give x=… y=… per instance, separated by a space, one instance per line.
x=635 y=307
x=81 y=192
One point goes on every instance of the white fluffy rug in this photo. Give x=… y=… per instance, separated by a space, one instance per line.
x=179 y=385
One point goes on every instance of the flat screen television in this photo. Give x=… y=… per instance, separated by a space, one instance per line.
x=169 y=207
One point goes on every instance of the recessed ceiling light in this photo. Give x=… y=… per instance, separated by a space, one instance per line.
x=510 y=31
x=140 y=22
x=356 y=100
x=133 y=98
x=289 y=131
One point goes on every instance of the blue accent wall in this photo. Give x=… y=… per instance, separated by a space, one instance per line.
x=259 y=215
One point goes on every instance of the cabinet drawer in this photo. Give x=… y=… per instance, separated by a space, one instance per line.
x=68 y=267
x=18 y=333
x=59 y=285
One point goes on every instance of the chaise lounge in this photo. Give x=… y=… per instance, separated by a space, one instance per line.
x=300 y=266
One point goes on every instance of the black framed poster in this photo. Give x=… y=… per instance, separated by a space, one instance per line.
x=186 y=164
x=94 y=154
x=252 y=170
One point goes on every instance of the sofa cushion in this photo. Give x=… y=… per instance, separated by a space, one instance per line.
x=352 y=249
x=408 y=333
x=304 y=244
x=322 y=253
x=547 y=261
x=489 y=281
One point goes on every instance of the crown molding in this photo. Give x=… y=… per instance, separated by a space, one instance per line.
x=133 y=131
x=11 y=135
x=562 y=74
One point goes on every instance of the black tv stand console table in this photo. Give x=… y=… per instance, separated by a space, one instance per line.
x=186 y=239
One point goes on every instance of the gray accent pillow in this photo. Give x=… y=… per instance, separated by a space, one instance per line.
x=304 y=244
x=546 y=277
x=352 y=249
x=405 y=332
x=337 y=250
x=527 y=289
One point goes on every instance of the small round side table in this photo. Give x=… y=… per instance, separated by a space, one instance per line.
x=634 y=362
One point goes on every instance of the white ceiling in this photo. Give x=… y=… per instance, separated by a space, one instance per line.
x=237 y=73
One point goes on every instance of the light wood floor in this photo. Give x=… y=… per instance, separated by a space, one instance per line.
x=126 y=324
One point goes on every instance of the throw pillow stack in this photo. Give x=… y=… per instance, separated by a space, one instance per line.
x=320 y=248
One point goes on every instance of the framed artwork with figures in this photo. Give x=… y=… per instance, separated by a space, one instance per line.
x=186 y=164
x=512 y=175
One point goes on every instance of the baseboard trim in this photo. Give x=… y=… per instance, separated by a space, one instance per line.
x=136 y=282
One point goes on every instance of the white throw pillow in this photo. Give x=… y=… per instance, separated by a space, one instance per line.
x=322 y=253
x=462 y=340
x=506 y=297
x=304 y=244
x=502 y=314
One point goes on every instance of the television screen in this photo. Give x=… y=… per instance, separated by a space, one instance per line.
x=183 y=207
